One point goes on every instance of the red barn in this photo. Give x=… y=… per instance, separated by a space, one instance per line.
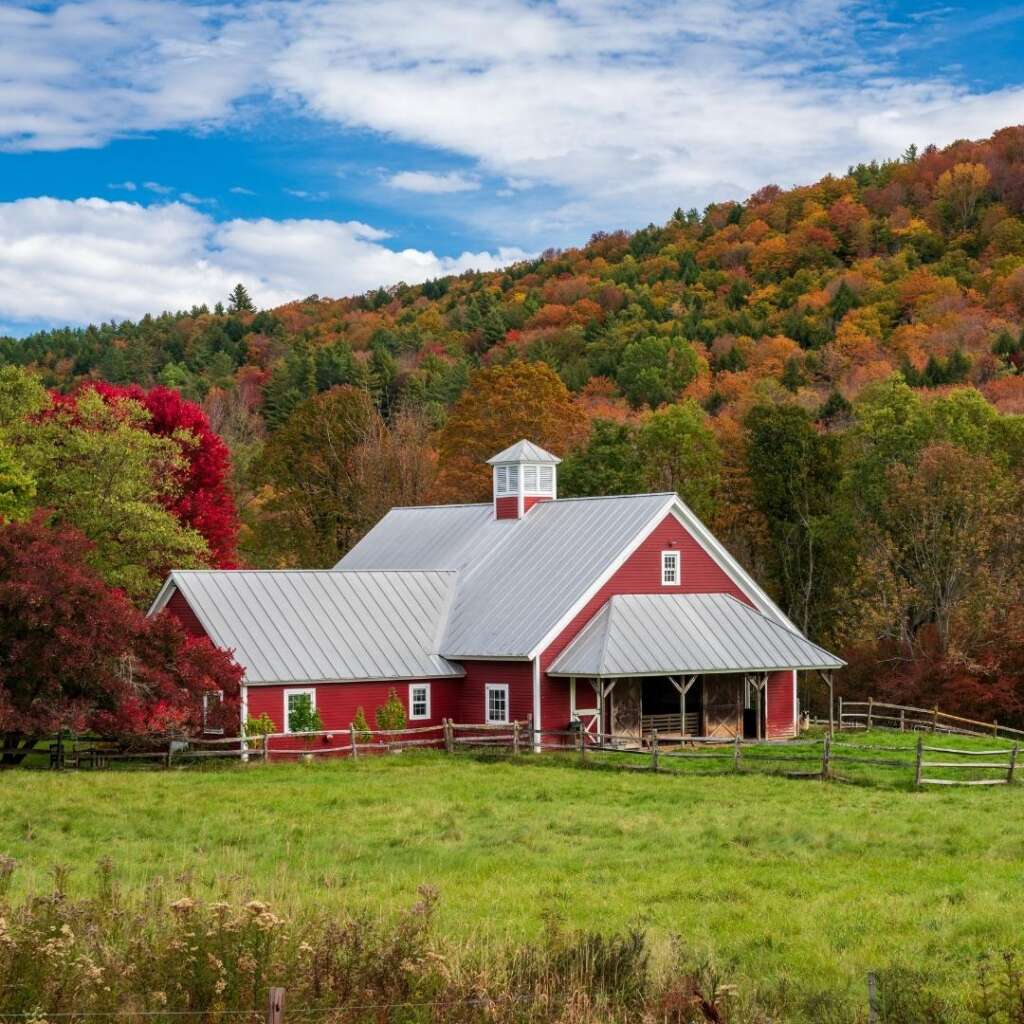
x=623 y=614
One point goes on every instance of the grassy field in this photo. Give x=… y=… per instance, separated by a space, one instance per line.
x=784 y=881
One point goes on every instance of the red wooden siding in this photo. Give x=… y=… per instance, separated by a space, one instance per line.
x=337 y=702
x=182 y=611
x=532 y=499
x=781 y=712
x=639 y=574
x=517 y=674
x=506 y=508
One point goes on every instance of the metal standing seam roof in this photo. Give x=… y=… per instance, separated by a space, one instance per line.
x=517 y=577
x=523 y=451
x=308 y=626
x=665 y=634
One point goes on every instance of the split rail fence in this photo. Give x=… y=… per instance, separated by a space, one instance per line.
x=867 y=714
x=823 y=758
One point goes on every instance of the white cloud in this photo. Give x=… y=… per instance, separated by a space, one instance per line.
x=155 y=186
x=608 y=112
x=433 y=184
x=122 y=186
x=301 y=193
x=95 y=260
x=238 y=190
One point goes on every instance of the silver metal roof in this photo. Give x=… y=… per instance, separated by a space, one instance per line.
x=523 y=451
x=666 y=634
x=307 y=626
x=517 y=577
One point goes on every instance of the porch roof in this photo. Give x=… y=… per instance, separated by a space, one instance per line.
x=669 y=634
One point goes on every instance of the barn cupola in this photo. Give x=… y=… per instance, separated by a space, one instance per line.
x=524 y=475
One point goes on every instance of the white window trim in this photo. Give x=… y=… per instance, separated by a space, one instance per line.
x=206 y=711
x=311 y=691
x=488 y=689
x=674 y=555
x=419 y=686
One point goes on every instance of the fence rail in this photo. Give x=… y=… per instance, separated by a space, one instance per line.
x=822 y=757
x=865 y=714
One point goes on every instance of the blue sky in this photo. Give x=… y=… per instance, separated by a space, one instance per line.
x=153 y=152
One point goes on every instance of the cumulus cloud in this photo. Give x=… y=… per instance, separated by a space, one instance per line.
x=433 y=184
x=96 y=260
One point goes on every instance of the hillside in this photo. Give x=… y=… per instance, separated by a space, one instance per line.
x=831 y=375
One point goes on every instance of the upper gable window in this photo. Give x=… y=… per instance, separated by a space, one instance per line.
x=670 y=569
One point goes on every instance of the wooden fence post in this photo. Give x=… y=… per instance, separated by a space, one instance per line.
x=871 y=711
x=935 y=717
x=532 y=732
x=266 y=747
x=917 y=762
x=515 y=737
x=275 y=1006
x=449 y=736
x=826 y=757
x=840 y=714
x=872 y=998
x=580 y=745
x=1013 y=762
x=995 y=727
x=352 y=739
x=654 y=750
x=736 y=753
x=903 y=719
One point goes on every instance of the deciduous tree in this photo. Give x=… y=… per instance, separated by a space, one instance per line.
x=502 y=405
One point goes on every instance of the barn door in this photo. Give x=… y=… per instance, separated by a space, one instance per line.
x=626 y=710
x=586 y=708
x=721 y=705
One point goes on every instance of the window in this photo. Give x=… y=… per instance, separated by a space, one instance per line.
x=506 y=479
x=670 y=569
x=212 y=700
x=296 y=701
x=547 y=479
x=419 y=700
x=529 y=478
x=496 y=706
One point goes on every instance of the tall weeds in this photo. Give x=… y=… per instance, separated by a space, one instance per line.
x=160 y=957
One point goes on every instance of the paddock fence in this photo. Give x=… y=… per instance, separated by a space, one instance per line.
x=869 y=714
x=828 y=757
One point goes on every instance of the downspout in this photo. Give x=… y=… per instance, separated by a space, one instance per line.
x=243 y=714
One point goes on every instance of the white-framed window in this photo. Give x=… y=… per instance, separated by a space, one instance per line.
x=506 y=479
x=670 y=574
x=419 y=700
x=293 y=701
x=547 y=479
x=529 y=478
x=496 y=703
x=212 y=700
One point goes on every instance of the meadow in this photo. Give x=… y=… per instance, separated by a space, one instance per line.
x=785 y=883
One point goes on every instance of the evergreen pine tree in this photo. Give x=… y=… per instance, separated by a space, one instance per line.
x=239 y=300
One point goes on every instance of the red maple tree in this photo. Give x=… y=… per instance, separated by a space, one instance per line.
x=76 y=655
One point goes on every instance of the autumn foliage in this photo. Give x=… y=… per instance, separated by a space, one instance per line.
x=76 y=655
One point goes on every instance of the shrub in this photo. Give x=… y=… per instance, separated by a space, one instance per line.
x=362 y=727
x=390 y=717
x=255 y=728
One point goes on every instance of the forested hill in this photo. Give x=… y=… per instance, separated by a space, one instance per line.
x=830 y=375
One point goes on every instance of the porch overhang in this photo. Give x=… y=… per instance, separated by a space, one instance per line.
x=686 y=634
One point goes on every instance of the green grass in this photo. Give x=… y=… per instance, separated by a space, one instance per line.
x=779 y=878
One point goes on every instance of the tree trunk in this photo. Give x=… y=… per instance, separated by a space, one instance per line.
x=16 y=747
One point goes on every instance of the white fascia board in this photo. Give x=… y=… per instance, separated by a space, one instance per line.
x=165 y=594
x=612 y=569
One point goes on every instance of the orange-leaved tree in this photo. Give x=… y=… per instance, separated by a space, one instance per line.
x=501 y=405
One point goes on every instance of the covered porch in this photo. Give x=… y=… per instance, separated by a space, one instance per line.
x=686 y=665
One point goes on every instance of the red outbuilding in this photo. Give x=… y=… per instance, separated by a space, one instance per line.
x=623 y=614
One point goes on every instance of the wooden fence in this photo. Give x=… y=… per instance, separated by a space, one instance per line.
x=822 y=758
x=867 y=714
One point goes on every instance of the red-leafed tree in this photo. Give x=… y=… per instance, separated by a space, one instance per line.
x=204 y=501
x=76 y=654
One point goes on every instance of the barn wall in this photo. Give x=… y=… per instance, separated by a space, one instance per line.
x=639 y=574
x=337 y=702
x=182 y=611
x=517 y=674
x=781 y=712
